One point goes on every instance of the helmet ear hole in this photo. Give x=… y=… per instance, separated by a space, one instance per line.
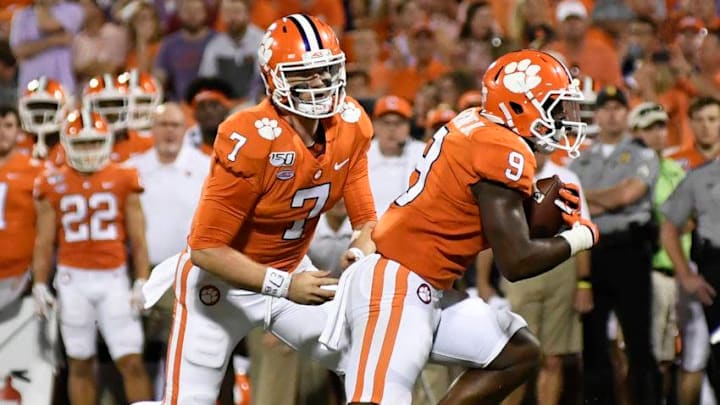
x=517 y=108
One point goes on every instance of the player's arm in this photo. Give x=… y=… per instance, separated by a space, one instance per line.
x=483 y=269
x=505 y=226
x=135 y=228
x=46 y=229
x=361 y=209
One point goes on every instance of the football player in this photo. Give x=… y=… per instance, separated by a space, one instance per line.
x=43 y=107
x=90 y=206
x=125 y=102
x=276 y=167
x=465 y=196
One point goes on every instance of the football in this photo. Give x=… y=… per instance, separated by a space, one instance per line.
x=544 y=217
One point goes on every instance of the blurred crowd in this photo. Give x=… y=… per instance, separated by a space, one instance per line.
x=164 y=75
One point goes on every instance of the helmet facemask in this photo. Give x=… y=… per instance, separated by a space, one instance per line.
x=141 y=110
x=113 y=108
x=88 y=152
x=559 y=118
x=41 y=116
x=294 y=90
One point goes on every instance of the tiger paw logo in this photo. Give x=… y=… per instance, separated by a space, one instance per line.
x=268 y=128
x=265 y=50
x=349 y=112
x=522 y=76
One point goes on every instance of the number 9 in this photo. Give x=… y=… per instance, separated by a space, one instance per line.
x=516 y=162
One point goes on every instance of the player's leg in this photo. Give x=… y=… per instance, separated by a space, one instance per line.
x=122 y=330
x=209 y=320
x=496 y=346
x=77 y=326
x=392 y=314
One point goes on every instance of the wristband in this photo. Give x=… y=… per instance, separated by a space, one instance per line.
x=359 y=254
x=579 y=238
x=584 y=285
x=276 y=283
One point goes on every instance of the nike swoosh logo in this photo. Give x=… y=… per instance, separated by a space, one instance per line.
x=339 y=166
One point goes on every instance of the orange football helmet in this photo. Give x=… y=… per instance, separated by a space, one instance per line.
x=303 y=67
x=87 y=140
x=145 y=95
x=43 y=106
x=534 y=94
x=107 y=96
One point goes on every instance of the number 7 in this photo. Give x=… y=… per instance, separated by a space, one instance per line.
x=239 y=144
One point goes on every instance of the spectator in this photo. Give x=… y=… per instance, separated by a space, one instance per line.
x=365 y=52
x=173 y=174
x=144 y=34
x=8 y=75
x=41 y=37
x=180 y=53
x=696 y=199
x=704 y=115
x=618 y=176
x=332 y=12
x=393 y=153
x=405 y=81
x=209 y=99
x=232 y=55
x=437 y=118
x=100 y=47
x=426 y=99
x=452 y=85
x=593 y=58
x=648 y=121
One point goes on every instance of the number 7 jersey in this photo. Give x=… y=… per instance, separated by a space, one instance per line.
x=435 y=228
x=266 y=190
x=90 y=213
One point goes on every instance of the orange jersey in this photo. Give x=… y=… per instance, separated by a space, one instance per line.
x=266 y=190
x=134 y=144
x=56 y=153
x=435 y=228
x=17 y=214
x=90 y=212
x=689 y=158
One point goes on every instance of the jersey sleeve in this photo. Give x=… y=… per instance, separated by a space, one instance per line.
x=356 y=192
x=503 y=158
x=232 y=187
x=134 y=181
x=678 y=208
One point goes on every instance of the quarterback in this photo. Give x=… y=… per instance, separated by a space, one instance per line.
x=276 y=167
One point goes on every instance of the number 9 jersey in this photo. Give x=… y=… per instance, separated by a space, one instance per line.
x=266 y=190
x=438 y=215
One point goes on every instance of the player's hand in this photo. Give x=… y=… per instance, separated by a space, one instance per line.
x=583 y=300
x=137 y=299
x=591 y=226
x=44 y=300
x=350 y=256
x=569 y=203
x=307 y=287
x=696 y=285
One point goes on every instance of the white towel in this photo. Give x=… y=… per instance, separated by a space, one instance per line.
x=336 y=334
x=161 y=279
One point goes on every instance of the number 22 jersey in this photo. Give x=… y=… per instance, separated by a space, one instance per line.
x=435 y=228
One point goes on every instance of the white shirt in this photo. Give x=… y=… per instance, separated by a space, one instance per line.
x=327 y=245
x=550 y=169
x=390 y=175
x=172 y=192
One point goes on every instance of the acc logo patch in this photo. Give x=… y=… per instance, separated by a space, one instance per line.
x=209 y=295
x=285 y=174
x=279 y=159
x=424 y=293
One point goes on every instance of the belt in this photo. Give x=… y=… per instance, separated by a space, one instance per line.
x=665 y=270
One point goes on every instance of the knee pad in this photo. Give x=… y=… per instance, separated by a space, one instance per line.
x=207 y=345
